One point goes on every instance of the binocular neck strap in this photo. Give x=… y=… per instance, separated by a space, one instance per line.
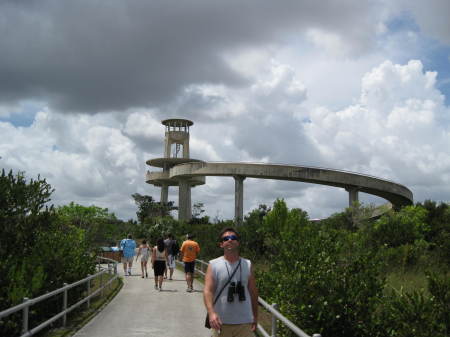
x=229 y=280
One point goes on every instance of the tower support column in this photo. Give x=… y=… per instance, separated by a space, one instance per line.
x=238 y=199
x=352 y=195
x=184 y=200
x=164 y=193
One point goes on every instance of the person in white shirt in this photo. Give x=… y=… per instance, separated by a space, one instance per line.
x=144 y=252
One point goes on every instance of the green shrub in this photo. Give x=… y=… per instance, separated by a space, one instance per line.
x=406 y=255
x=405 y=314
x=323 y=280
x=399 y=228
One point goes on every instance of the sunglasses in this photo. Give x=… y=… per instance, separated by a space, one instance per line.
x=229 y=237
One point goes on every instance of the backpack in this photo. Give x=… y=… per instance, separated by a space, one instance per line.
x=175 y=248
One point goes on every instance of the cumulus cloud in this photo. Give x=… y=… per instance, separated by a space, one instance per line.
x=395 y=130
x=332 y=42
x=94 y=165
x=144 y=128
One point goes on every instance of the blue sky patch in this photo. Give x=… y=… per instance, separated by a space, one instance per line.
x=25 y=116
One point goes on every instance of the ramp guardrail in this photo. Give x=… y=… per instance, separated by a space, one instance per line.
x=27 y=303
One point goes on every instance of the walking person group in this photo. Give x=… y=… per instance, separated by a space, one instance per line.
x=162 y=256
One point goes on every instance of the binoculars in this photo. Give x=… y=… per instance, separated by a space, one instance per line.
x=236 y=289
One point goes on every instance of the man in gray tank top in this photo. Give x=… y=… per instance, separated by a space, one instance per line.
x=234 y=311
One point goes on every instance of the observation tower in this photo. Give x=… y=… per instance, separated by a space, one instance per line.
x=176 y=151
x=180 y=170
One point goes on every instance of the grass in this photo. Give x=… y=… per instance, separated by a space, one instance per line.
x=407 y=281
x=412 y=279
x=409 y=278
x=81 y=316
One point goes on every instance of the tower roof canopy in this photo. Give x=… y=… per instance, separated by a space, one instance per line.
x=177 y=122
x=170 y=162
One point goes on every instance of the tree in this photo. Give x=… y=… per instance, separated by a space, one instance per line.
x=23 y=216
x=149 y=208
x=38 y=253
x=101 y=226
x=251 y=233
x=22 y=209
x=399 y=228
x=197 y=211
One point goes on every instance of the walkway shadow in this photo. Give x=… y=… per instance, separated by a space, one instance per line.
x=169 y=291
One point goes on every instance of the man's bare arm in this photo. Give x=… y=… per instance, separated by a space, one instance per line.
x=253 y=297
x=208 y=298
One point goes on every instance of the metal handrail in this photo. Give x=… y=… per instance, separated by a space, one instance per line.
x=276 y=315
x=112 y=268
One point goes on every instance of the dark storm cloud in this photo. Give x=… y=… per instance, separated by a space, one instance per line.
x=152 y=145
x=92 y=56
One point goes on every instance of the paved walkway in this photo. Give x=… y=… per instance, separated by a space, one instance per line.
x=140 y=310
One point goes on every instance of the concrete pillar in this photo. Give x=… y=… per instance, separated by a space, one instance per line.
x=186 y=147
x=189 y=204
x=238 y=199
x=352 y=195
x=184 y=200
x=167 y=145
x=164 y=193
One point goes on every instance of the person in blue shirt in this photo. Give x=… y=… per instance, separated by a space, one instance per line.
x=128 y=247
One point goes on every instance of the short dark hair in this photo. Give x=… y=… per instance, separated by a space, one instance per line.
x=129 y=236
x=228 y=229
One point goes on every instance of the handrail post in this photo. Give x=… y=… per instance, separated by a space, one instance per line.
x=101 y=285
x=109 y=276
x=274 y=321
x=25 y=316
x=65 y=305
x=88 y=292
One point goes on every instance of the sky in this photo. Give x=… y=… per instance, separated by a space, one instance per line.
x=362 y=86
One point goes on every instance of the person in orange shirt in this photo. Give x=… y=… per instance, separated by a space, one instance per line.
x=189 y=251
